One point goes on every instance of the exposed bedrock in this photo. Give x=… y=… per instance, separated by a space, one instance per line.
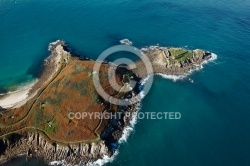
x=35 y=145
x=171 y=61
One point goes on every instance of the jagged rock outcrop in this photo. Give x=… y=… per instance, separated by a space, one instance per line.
x=36 y=145
x=59 y=56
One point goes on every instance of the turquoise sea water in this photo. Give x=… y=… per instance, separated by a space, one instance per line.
x=214 y=129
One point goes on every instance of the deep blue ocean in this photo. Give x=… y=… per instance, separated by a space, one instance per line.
x=215 y=126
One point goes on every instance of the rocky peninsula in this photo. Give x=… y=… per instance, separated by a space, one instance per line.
x=40 y=127
x=172 y=61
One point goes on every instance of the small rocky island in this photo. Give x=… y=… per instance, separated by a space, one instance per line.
x=172 y=61
x=40 y=126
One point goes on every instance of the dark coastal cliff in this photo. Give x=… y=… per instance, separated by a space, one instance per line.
x=36 y=145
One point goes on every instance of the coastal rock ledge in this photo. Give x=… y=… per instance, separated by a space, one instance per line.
x=36 y=145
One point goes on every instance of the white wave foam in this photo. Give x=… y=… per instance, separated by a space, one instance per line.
x=142 y=94
x=104 y=160
x=144 y=81
x=129 y=129
x=54 y=163
x=53 y=44
x=213 y=57
x=100 y=162
x=172 y=77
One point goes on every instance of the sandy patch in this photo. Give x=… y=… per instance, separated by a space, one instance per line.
x=16 y=98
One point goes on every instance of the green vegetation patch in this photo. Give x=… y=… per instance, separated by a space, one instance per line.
x=183 y=57
x=176 y=52
x=51 y=127
x=180 y=54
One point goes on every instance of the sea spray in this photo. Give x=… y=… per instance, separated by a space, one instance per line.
x=103 y=161
x=129 y=129
x=143 y=82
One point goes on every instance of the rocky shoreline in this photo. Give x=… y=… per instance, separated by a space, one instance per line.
x=169 y=61
x=52 y=64
x=37 y=144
